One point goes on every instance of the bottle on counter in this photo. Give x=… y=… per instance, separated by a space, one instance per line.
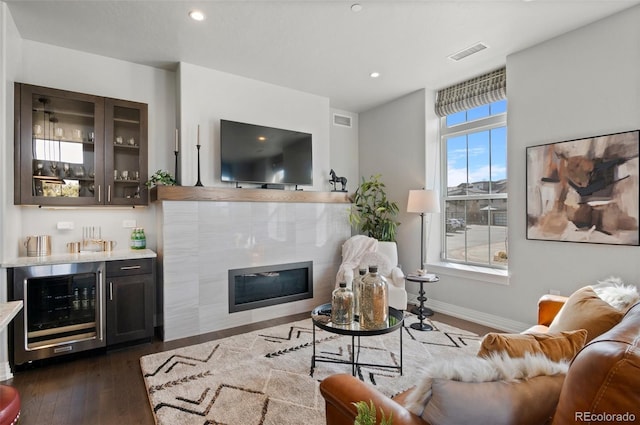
x=342 y=305
x=134 y=238
x=142 y=239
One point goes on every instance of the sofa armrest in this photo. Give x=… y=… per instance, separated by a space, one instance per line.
x=341 y=391
x=548 y=307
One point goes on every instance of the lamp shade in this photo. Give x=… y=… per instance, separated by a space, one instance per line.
x=423 y=201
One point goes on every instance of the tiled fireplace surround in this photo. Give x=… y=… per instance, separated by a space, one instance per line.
x=201 y=240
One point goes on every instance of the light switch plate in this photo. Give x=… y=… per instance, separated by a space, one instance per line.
x=128 y=224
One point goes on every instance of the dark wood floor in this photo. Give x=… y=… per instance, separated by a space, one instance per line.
x=108 y=388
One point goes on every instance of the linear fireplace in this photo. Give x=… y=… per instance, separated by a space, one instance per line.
x=256 y=287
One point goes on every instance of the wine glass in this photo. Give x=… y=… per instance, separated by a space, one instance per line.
x=39 y=167
x=65 y=167
x=54 y=168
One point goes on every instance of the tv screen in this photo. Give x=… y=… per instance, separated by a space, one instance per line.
x=258 y=154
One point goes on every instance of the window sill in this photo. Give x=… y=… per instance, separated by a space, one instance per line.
x=482 y=274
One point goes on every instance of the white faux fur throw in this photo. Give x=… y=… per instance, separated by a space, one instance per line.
x=614 y=291
x=352 y=251
x=497 y=367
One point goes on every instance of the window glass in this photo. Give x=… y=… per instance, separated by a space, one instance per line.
x=475 y=205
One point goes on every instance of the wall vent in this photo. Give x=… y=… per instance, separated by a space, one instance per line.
x=468 y=51
x=342 y=120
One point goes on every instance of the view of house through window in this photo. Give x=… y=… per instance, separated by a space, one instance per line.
x=475 y=185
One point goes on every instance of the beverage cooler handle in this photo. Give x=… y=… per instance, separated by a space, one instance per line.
x=110 y=291
x=100 y=303
x=99 y=193
x=109 y=194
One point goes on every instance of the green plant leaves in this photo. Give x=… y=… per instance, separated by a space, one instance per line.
x=372 y=213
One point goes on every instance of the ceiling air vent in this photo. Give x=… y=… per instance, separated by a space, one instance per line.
x=342 y=120
x=468 y=51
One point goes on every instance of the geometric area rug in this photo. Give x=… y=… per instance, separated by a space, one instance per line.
x=265 y=377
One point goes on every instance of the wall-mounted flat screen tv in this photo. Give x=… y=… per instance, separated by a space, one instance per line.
x=258 y=154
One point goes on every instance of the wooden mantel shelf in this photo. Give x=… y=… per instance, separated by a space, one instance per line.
x=192 y=193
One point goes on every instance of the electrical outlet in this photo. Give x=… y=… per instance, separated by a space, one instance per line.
x=128 y=224
x=554 y=292
x=65 y=225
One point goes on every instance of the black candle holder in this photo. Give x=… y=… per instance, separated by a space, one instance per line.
x=198 y=183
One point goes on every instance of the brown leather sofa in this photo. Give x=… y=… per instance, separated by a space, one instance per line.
x=603 y=379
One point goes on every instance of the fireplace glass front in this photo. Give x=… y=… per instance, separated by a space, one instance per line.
x=263 y=286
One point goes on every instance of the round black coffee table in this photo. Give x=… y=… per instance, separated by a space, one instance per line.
x=321 y=317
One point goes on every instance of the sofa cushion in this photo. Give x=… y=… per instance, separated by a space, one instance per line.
x=494 y=390
x=556 y=346
x=585 y=310
x=530 y=402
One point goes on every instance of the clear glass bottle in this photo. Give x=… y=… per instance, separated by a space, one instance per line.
x=373 y=302
x=357 y=282
x=342 y=305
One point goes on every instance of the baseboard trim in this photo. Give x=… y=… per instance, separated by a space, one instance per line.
x=486 y=319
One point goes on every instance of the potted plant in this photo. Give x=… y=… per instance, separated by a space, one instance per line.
x=161 y=178
x=367 y=414
x=372 y=213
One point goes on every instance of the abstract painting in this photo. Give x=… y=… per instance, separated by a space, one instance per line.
x=585 y=190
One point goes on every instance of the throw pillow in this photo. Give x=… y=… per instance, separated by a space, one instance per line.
x=556 y=346
x=614 y=291
x=585 y=310
x=495 y=390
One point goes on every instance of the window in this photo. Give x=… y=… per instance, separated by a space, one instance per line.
x=475 y=185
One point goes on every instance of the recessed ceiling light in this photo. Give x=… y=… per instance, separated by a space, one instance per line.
x=374 y=74
x=356 y=7
x=197 y=15
x=262 y=138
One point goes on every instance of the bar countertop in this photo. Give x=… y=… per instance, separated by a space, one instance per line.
x=8 y=311
x=83 y=257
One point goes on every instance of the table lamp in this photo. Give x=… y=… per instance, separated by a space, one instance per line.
x=423 y=201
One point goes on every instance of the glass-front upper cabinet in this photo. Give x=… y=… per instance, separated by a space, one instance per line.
x=126 y=152
x=68 y=149
x=58 y=149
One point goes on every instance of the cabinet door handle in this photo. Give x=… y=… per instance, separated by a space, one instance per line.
x=109 y=194
x=99 y=194
x=110 y=291
x=131 y=267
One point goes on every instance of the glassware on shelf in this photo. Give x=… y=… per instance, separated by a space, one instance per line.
x=373 y=301
x=342 y=305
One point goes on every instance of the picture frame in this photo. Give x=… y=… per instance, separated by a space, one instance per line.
x=585 y=190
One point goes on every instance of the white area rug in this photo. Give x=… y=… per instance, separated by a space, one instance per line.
x=265 y=377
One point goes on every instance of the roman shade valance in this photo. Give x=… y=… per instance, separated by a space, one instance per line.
x=477 y=91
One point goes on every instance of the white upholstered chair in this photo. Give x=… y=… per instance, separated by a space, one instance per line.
x=371 y=252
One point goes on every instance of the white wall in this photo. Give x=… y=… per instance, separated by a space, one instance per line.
x=584 y=83
x=581 y=84
x=392 y=143
x=207 y=95
x=557 y=90
x=87 y=73
x=344 y=150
